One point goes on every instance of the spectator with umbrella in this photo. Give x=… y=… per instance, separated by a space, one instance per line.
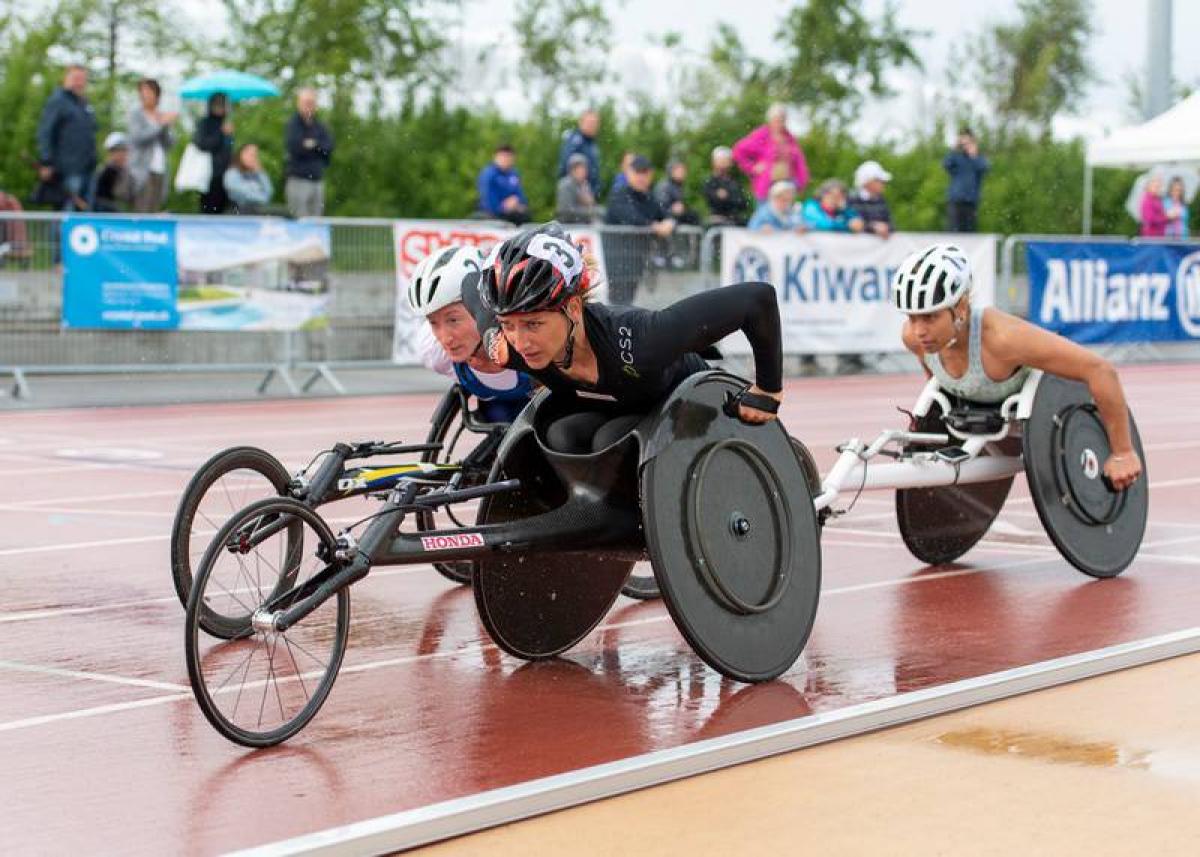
x=214 y=133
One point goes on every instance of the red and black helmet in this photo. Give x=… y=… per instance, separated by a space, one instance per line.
x=536 y=269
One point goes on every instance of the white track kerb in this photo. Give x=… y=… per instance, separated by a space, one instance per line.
x=456 y=817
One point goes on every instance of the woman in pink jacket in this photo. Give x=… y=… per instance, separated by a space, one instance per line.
x=770 y=153
x=1154 y=215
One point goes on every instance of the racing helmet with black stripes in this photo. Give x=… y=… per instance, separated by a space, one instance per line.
x=931 y=279
x=536 y=269
x=439 y=279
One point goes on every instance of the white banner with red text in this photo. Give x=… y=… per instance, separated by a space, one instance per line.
x=835 y=289
x=416 y=239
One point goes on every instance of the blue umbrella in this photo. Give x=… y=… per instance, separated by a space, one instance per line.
x=237 y=86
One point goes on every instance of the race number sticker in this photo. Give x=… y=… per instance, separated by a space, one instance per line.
x=450 y=542
x=565 y=258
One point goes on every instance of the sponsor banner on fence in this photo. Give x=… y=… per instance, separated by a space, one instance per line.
x=835 y=289
x=119 y=273
x=195 y=274
x=416 y=239
x=1108 y=292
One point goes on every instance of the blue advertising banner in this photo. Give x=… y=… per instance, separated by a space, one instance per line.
x=119 y=273
x=218 y=273
x=1105 y=292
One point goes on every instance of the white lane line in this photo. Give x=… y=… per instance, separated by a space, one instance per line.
x=477 y=647
x=95 y=498
x=132 y=540
x=66 y=510
x=80 y=713
x=1175 y=541
x=74 y=468
x=91 y=676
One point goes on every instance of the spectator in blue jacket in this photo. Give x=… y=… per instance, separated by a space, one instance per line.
x=247 y=183
x=966 y=168
x=828 y=212
x=581 y=140
x=500 y=192
x=66 y=138
x=778 y=212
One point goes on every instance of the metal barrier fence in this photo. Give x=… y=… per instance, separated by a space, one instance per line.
x=643 y=268
x=362 y=284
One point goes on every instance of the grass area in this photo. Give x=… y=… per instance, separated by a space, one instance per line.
x=321 y=322
x=206 y=293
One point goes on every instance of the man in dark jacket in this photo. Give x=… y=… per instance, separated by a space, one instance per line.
x=582 y=140
x=66 y=138
x=309 y=146
x=967 y=169
x=727 y=203
x=870 y=181
x=626 y=251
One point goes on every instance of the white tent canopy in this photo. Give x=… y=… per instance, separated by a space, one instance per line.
x=1171 y=137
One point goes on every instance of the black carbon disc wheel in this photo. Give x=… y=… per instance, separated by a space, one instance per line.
x=226 y=483
x=733 y=535
x=1097 y=530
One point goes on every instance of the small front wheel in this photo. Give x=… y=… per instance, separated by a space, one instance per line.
x=230 y=480
x=264 y=686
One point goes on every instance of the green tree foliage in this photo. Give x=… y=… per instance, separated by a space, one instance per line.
x=1035 y=66
x=405 y=150
x=561 y=44
x=836 y=56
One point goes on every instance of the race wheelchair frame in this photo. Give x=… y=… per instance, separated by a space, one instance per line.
x=728 y=514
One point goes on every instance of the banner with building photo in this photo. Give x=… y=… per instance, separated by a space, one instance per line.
x=416 y=239
x=217 y=273
x=1108 y=292
x=835 y=289
x=248 y=273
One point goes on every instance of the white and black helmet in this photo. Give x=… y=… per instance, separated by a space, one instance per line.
x=931 y=279
x=440 y=277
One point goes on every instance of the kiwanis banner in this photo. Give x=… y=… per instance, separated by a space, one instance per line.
x=1105 y=292
x=835 y=289
x=416 y=239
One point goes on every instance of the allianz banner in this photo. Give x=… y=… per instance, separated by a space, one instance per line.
x=835 y=289
x=1109 y=292
x=416 y=239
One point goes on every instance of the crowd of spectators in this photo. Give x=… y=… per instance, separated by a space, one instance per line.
x=134 y=175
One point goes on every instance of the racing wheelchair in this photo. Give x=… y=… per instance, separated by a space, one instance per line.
x=728 y=514
x=953 y=469
x=723 y=510
x=230 y=479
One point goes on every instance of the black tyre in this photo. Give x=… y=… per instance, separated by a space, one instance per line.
x=263 y=687
x=226 y=483
x=641 y=587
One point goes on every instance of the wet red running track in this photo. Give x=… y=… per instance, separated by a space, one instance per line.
x=102 y=748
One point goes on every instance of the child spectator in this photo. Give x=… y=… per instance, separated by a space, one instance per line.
x=827 y=212
x=574 y=202
x=727 y=203
x=246 y=183
x=112 y=187
x=779 y=213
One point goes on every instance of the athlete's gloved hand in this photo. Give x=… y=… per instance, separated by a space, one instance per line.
x=753 y=405
x=1123 y=470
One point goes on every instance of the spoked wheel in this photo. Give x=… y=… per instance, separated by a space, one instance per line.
x=457 y=442
x=262 y=688
x=227 y=482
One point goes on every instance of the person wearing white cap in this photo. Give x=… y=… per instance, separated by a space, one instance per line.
x=867 y=199
x=111 y=188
